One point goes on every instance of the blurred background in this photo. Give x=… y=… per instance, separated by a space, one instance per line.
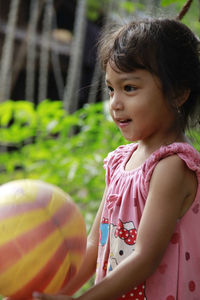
x=48 y=47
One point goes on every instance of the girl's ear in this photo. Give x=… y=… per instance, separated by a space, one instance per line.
x=183 y=98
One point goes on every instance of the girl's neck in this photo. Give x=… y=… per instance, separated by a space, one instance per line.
x=149 y=146
x=145 y=149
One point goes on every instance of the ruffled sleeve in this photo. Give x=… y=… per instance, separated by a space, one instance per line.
x=115 y=158
x=185 y=151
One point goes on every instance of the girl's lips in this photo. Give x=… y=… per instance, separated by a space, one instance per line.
x=123 y=123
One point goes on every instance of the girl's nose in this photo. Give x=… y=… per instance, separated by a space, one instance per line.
x=116 y=102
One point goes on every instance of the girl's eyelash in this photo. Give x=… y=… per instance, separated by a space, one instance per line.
x=109 y=89
x=129 y=88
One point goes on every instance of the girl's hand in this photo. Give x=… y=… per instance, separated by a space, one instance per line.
x=41 y=296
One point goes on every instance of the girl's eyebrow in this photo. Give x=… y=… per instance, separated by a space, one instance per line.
x=124 y=78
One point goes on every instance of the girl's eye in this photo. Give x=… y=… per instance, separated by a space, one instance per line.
x=129 y=88
x=110 y=89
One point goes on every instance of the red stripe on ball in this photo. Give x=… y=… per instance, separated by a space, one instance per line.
x=43 y=198
x=45 y=275
x=10 y=254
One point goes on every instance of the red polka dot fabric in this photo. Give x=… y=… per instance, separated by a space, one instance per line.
x=138 y=293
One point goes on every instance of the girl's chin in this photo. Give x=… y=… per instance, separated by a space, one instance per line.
x=129 y=138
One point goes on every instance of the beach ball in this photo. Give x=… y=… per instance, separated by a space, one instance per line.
x=42 y=238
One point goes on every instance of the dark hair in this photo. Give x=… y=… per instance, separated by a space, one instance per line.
x=166 y=48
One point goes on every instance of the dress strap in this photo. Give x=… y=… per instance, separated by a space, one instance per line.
x=185 y=151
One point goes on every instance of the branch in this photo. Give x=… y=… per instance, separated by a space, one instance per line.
x=184 y=10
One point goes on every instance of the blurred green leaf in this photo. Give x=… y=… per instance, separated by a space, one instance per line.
x=128 y=6
x=169 y=2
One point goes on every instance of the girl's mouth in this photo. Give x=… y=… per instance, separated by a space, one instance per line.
x=123 y=122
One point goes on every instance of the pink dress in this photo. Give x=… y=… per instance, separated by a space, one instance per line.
x=178 y=275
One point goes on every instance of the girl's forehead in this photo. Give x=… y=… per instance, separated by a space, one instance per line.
x=115 y=73
x=121 y=77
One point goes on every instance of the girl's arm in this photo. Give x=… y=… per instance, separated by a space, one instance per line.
x=172 y=190
x=88 y=266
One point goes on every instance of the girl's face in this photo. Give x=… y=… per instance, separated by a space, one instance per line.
x=138 y=106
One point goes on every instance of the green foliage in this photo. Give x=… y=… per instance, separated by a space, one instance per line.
x=191 y=18
x=96 y=8
x=169 y=2
x=128 y=6
x=170 y=8
x=66 y=150
x=194 y=136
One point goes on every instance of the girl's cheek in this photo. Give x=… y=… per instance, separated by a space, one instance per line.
x=110 y=111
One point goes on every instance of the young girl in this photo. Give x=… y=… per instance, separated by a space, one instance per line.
x=145 y=237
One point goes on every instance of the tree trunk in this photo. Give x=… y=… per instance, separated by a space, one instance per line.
x=36 y=7
x=7 y=52
x=70 y=100
x=55 y=61
x=44 y=53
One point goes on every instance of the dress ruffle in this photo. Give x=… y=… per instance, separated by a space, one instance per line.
x=115 y=161
x=185 y=151
x=115 y=158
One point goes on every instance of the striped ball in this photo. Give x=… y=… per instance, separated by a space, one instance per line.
x=42 y=238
